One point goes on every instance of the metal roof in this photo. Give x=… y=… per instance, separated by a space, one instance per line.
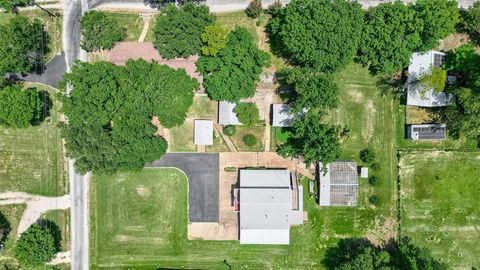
x=278 y=178
x=226 y=115
x=420 y=64
x=203 y=132
x=281 y=115
x=428 y=132
x=339 y=185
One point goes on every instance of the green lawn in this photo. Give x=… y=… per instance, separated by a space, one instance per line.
x=13 y=213
x=31 y=159
x=440 y=202
x=132 y=22
x=62 y=219
x=257 y=131
x=278 y=135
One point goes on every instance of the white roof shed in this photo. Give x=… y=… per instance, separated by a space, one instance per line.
x=226 y=115
x=281 y=115
x=203 y=132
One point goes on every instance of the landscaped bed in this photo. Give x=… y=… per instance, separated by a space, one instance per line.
x=440 y=204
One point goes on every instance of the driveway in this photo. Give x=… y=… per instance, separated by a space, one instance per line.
x=53 y=72
x=202 y=171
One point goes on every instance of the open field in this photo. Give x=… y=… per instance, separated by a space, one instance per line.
x=31 y=159
x=132 y=22
x=440 y=204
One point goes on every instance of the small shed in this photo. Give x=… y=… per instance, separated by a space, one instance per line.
x=428 y=132
x=203 y=132
x=281 y=116
x=364 y=172
x=226 y=115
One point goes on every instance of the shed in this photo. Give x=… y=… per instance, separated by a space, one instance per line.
x=226 y=115
x=428 y=132
x=338 y=186
x=281 y=116
x=203 y=132
x=364 y=172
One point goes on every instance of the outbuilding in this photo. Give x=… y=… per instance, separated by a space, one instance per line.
x=226 y=114
x=203 y=132
x=427 y=132
x=338 y=184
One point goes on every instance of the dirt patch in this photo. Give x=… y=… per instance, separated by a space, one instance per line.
x=212 y=231
x=159 y=126
x=143 y=191
x=453 y=41
x=419 y=115
x=382 y=232
x=355 y=93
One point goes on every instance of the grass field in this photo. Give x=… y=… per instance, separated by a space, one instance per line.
x=132 y=22
x=257 y=131
x=440 y=202
x=31 y=159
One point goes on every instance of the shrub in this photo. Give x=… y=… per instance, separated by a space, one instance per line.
x=247 y=113
x=36 y=246
x=254 y=9
x=374 y=199
x=229 y=130
x=375 y=166
x=4 y=227
x=249 y=139
x=367 y=155
x=373 y=180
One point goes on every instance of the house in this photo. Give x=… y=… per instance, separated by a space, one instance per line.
x=270 y=202
x=203 y=132
x=427 y=132
x=226 y=115
x=420 y=64
x=281 y=116
x=338 y=185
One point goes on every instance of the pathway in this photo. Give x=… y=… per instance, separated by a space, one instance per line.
x=227 y=140
x=36 y=206
x=147 y=17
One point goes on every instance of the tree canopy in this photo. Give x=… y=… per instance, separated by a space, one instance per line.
x=232 y=74
x=36 y=246
x=12 y=5
x=322 y=34
x=4 y=227
x=178 y=30
x=110 y=112
x=435 y=78
x=22 y=45
x=247 y=113
x=100 y=32
x=214 y=39
x=19 y=107
x=471 y=19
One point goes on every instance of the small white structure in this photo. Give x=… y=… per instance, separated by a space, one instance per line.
x=427 y=132
x=226 y=115
x=364 y=172
x=269 y=205
x=281 y=116
x=339 y=185
x=203 y=132
x=420 y=64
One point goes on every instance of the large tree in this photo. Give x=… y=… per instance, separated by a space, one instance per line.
x=322 y=34
x=110 y=112
x=22 y=45
x=100 y=32
x=19 y=107
x=232 y=74
x=247 y=113
x=36 y=246
x=12 y=5
x=178 y=30
x=312 y=140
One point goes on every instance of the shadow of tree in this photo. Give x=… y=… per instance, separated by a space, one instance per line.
x=5 y=227
x=54 y=230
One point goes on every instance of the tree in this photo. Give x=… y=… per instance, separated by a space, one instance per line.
x=178 y=30
x=408 y=256
x=110 y=112
x=163 y=3
x=308 y=90
x=214 y=39
x=100 y=32
x=390 y=35
x=367 y=155
x=322 y=34
x=12 y=5
x=20 y=108
x=254 y=9
x=312 y=140
x=229 y=130
x=274 y=7
x=233 y=73
x=471 y=19
x=247 y=113
x=22 y=45
x=249 y=139
x=464 y=63
x=435 y=79
x=438 y=18
x=36 y=246
x=373 y=180
x=4 y=227
x=374 y=199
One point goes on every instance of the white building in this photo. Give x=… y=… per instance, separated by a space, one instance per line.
x=226 y=115
x=281 y=116
x=203 y=132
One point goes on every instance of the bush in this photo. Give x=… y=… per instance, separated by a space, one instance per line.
x=249 y=139
x=36 y=246
x=375 y=166
x=247 y=113
x=229 y=130
x=367 y=155
x=100 y=32
x=373 y=180
x=374 y=199
x=254 y=9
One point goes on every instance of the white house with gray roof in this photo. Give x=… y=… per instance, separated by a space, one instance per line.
x=269 y=205
x=226 y=115
x=338 y=186
x=417 y=95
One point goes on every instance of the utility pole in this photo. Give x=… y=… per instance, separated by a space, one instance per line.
x=48 y=12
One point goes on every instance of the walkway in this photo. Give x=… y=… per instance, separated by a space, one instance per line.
x=147 y=17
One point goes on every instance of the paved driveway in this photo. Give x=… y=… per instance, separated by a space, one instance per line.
x=202 y=171
x=53 y=72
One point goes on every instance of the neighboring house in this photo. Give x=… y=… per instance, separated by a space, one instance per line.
x=338 y=186
x=420 y=64
x=203 y=132
x=270 y=202
x=226 y=115
x=427 y=132
x=281 y=116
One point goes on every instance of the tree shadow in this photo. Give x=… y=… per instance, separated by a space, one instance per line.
x=345 y=250
x=5 y=228
x=53 y=228
x=46 y=105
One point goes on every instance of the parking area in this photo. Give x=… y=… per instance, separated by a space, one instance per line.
x=202 y=172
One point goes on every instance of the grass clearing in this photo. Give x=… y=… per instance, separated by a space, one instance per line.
x=440 y=204
x=257 y=131
x=31 y=159
x=278 y=135
x=132 y=22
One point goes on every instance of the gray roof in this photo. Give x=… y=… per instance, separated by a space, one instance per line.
x=281 y=115
x=203 y=132
x=226 y=115
x=428 y=132
x=339 y=185
x=417 y=95
x=277 y=178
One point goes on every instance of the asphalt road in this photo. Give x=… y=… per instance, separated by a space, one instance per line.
x=203 y=177
x=53 y=72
